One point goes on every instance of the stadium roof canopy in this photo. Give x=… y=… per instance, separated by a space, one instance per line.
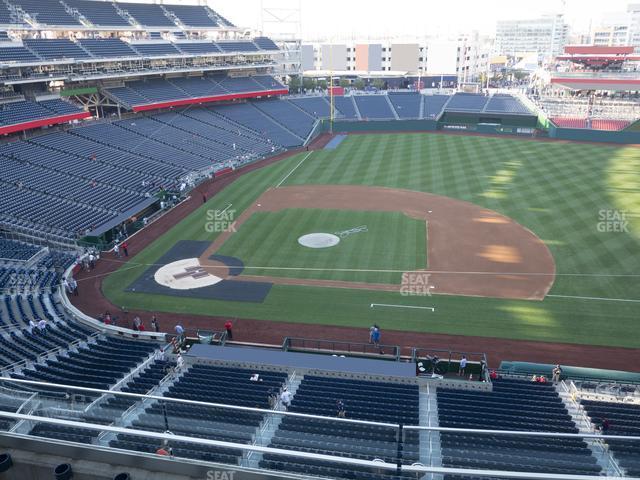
x=598 y=57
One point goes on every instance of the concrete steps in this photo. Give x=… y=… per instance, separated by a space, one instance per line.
x=430 y=447
x=599 y=449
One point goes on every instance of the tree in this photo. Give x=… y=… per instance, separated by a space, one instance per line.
x=309 y=83
x=344 y=82
x=322 y=84
x=295 y=84
x=359 y=84
x=379 y=83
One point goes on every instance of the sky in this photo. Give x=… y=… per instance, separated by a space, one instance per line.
x=362 y=19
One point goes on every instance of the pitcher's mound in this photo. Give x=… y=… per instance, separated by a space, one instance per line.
x=319 y=240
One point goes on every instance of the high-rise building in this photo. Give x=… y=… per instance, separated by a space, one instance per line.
x=634 y=25
x=614 y=30
x=545 y=36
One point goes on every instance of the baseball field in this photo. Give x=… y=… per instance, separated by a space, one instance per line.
x=463 y=235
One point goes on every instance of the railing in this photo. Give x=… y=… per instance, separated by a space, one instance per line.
x=48 y=353
x=586 y=423
x=342 y=347
x=398 y=466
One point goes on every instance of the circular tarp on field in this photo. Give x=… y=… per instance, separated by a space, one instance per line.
x=319 y=240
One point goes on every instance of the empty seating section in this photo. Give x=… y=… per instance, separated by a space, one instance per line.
x=247 y=115
x=178 y=88
x=107 y=47
x=127 y=96
x=363 y=400
x=239 y=84
x=212 y=384
x=147 y=15
x=288 y=115
x=373 y=107
x=12 y=250
x=157 y=90
x=267 y=81
x=6 y=16
x=197 y=48
x=609 y=125
x=169 y=141
x=406 y=105
x=193 y=15
x=594 y=124
x=46 y=13
x=56 y=49
x=237 y=46
x=467 y=102
x=25 y=111
x=603 y=108
x=155 y=49
x=316 y=106
x=433 y=105
x=345 y=107
x=95 y=365
x=138 y=140
x=198 y=86
x=223 y=131
x=100 y=14
x=59 y=106
x=570 y=122
x=17 y=54
x=215 y=133
x=265 y=43
x=62 y=183
x=20 y=342
x=516 y=405
x=506 y=104
x=185 y=135
x=624 y=419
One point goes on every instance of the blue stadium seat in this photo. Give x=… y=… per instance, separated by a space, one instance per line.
x=56 y=49
x=373 y=107
x=101 y=14
x=406 y=105
x=46 y=13
x=107 y=47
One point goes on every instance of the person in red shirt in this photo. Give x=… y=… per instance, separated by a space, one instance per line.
x=228 y=326
x=125 y=248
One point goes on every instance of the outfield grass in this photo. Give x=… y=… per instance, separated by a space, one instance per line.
x=559 y=191
x=267 y=243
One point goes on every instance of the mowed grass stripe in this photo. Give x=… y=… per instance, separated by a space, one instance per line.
x=555 y=190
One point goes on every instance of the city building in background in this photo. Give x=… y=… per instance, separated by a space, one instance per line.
x=545 y=36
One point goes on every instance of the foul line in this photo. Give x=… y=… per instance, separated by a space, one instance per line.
x=294 y=169
x=373 y=305
x=596 y=298
x=227 y=208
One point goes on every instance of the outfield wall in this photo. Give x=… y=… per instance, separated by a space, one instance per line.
x=586 y=135
x=345 y=126
x=479 y=118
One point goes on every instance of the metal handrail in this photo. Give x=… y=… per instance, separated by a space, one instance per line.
x=319 y=417
x=44 y=355
x=168 y=436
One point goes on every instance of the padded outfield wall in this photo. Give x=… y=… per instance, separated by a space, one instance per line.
x=345 y=126
x=586 y=135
